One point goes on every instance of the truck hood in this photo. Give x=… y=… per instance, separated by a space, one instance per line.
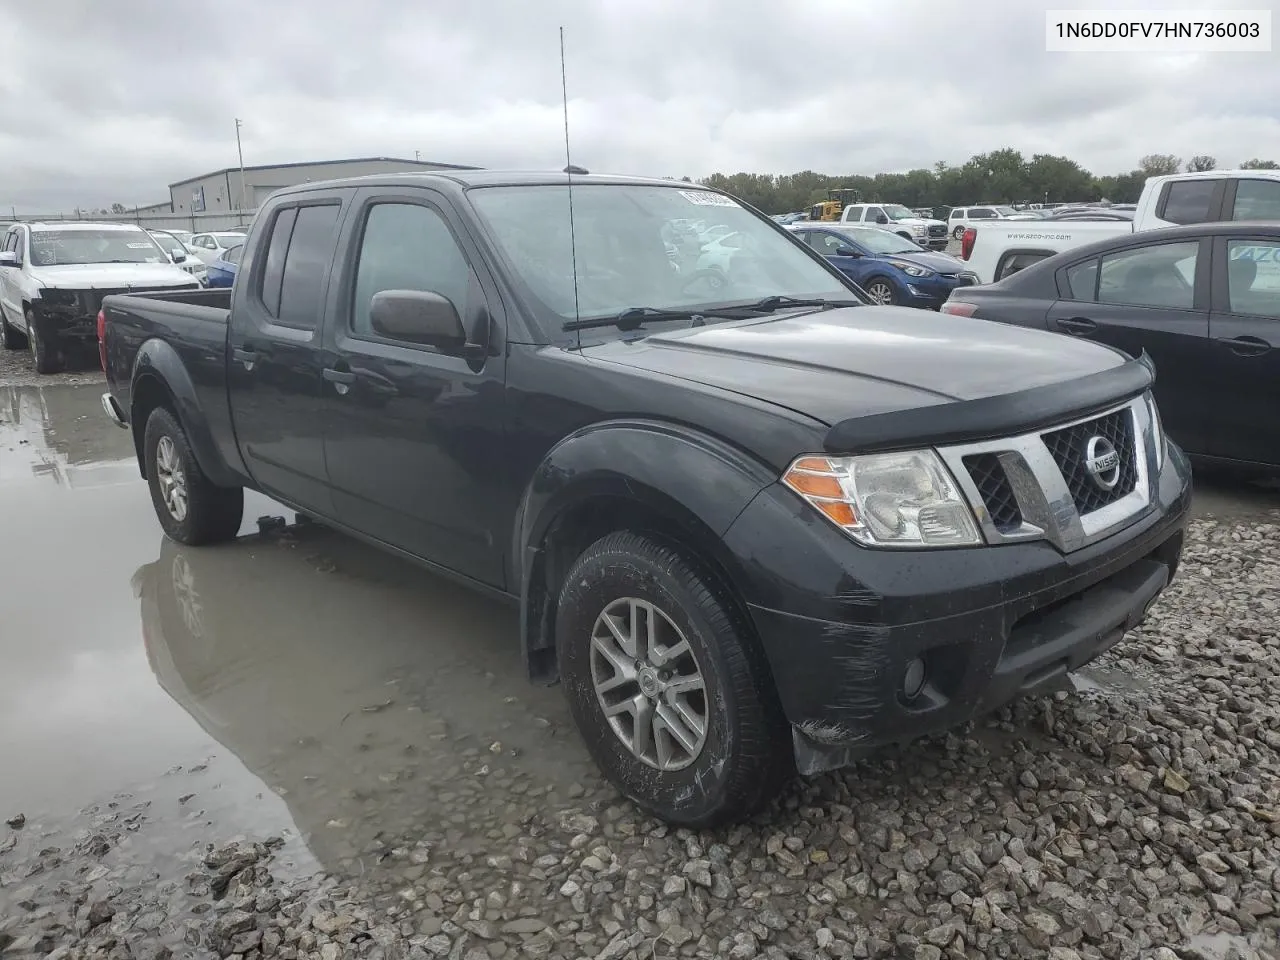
x=912 y=222
x=90 y=276
x=859 y=361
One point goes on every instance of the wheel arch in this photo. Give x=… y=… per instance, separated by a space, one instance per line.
x=670 y=483
x=160 y=379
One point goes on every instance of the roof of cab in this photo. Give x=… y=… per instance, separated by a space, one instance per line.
x=466 y=179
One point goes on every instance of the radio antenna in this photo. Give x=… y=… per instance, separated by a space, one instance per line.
x=568 y=171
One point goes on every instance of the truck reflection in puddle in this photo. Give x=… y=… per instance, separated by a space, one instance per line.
x=380 y=702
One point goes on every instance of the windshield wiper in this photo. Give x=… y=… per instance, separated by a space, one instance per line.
x=778 y=302
x=634 y=317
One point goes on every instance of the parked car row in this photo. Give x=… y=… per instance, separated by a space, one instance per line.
x=1202 y=301
x=53 y=277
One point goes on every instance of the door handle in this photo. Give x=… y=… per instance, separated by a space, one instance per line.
x=247 y=357
x=1246 y=346
x=1076 y=325
x=341 y=379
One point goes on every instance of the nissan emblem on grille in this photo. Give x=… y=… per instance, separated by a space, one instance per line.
x=1102 y=460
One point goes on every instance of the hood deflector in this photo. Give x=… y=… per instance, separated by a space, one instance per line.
x=988 y=418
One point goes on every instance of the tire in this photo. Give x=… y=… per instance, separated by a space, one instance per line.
x=745 y=755
x=958 y=233
x=212 y=514
x=47 y=359
x=881 y=291
x=12 y=337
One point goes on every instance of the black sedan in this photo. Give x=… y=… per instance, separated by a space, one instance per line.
x=1203 y=301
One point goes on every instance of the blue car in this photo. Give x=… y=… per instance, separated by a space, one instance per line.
x=889 y=268
x=222 y=272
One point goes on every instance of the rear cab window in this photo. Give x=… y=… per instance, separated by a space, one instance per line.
x=299 y=249
x=1188 y=201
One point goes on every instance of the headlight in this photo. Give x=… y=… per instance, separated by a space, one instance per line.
x=1157 y=430
x=911 y=269
x=888 y=499
x=59 y=298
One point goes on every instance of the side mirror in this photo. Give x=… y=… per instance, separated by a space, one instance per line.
x=9 y=259
x=847 y=252
x=179 y=257
x=418 y=316
x=882 y=219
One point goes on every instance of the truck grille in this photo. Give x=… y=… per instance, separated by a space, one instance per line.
x=996 y=491
x=1068 y=448
x=938 y=230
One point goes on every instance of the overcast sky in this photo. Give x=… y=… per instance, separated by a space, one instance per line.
x=105 y=102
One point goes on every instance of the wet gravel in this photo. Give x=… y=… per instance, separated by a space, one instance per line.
x=16 y=369
x=1136 y=817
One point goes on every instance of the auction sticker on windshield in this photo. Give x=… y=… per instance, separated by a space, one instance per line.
x=704 y=199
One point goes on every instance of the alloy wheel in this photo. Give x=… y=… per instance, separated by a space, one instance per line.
x=172 y=478
x=648 y=684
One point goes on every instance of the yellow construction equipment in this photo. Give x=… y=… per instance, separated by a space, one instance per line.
x=831 y=208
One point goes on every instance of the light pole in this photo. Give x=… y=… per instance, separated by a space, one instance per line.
x=240 y=152
x=416 y=155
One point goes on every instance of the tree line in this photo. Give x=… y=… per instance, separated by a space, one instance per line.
x=1002 y=176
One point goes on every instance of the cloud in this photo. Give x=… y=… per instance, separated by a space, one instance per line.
x=110 y=102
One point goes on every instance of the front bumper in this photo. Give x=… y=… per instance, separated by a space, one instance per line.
x=840 y=624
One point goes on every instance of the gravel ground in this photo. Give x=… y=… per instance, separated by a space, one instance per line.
x=17 y=370
x=1138 y=816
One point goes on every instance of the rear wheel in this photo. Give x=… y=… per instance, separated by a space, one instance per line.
x=881 y=292
x=674 y=702
x=191 y=509
x=46 y=357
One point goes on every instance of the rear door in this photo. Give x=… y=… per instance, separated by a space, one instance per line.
x=1152 y=298
x=273 y=372
x=1243 y=359
x=414 y=433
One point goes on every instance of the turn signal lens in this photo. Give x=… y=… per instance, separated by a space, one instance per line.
x=891 y=499
x=959 y=308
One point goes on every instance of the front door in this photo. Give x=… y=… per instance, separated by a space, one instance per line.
x=1244 y=351
x=414 y=434
x=275 y=362
x=1152 y=298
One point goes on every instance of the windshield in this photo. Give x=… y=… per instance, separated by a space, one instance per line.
x=228 y=239
x=896 y=211
x=1006 y=211
x=51 y=248
x=643 y=246
x=881 y=241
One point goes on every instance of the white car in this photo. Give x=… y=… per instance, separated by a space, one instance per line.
x=53 y=277
x=210 y=246
x=961 y=217
x=180 y=254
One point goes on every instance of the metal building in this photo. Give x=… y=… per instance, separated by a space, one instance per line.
x=223 y=191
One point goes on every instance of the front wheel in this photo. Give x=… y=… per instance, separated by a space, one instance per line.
x=957 y=233
x=675 y=703
x=881 y=292
x=11 y=335
x=47 y=358
x=191 y=509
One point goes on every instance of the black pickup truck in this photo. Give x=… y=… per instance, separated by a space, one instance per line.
x=753 y=524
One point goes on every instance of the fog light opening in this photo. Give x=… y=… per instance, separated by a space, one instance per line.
x=913 y=679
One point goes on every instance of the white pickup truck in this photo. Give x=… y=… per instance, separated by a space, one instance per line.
x=996 y=250
x=928 y=233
